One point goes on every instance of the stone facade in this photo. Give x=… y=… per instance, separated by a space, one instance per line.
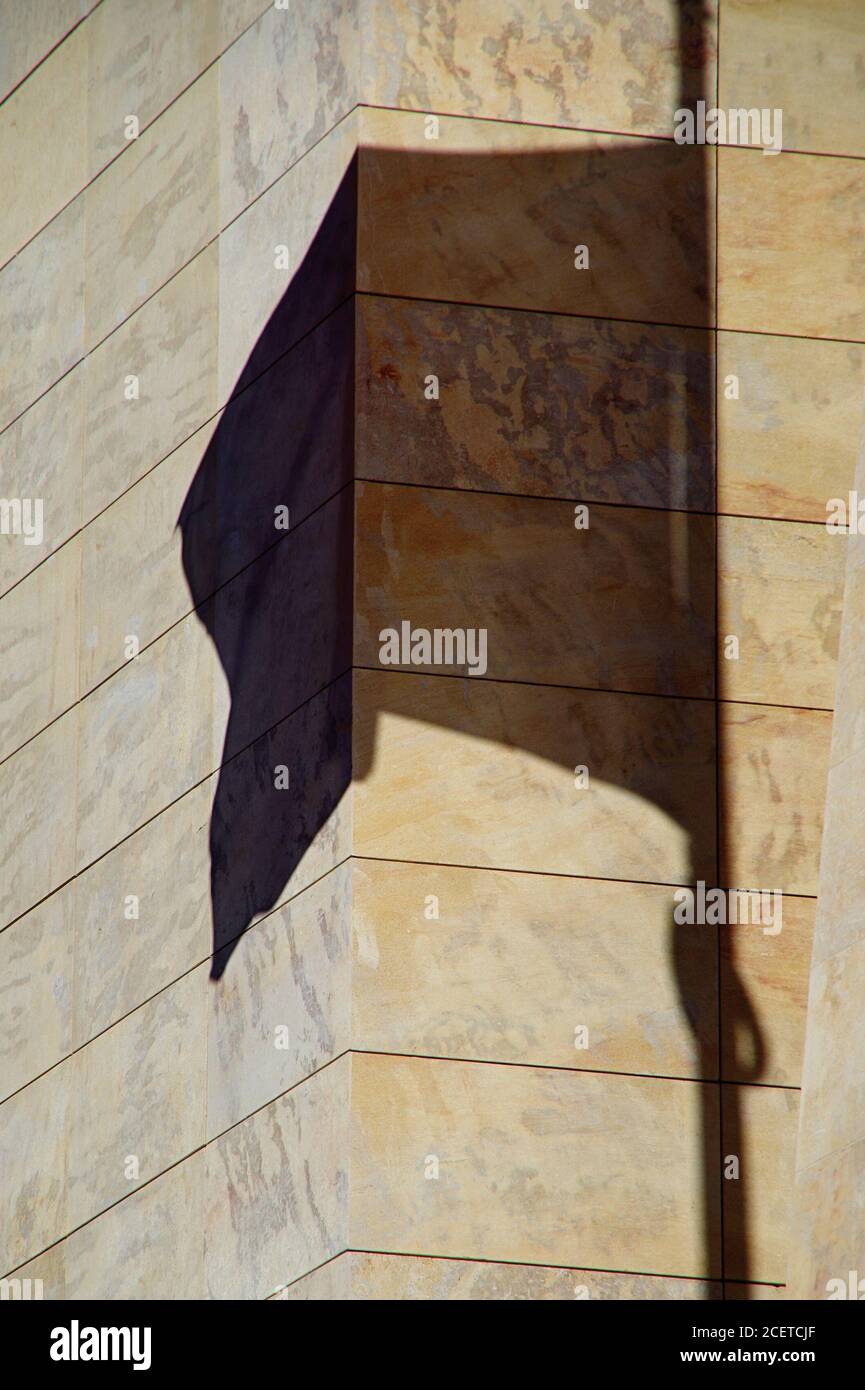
x=324 y=978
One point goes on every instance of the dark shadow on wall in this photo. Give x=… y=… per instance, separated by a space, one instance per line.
x=278 y=604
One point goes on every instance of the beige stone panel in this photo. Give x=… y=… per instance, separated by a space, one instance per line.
x=775 y=763
x=278 y=1189
x=121 y=960
x=358 y=1275
x=330 y=1282
x=170 y=345
x=513 y=964
x=42 y=306
x=605 y=67
x=755 y=1293
x=37 y=818
x=266 y=850
x=33 y=1153
x=295 y=61
x=538 y=404
x=147 y=735
x=780 y=591
x=848 y=729
x=151 y=211
x=36 y=967
x=788 y=444
x=141 y=57
x=38 y=647
x=494 y=761
x=29 y=32
x=842 y=873
x=48 y=1269
x=834 y=1087
x=40 y=459
x=282 y=1009
x=310 y=211
x=784 y=53
x=764 y=995
x=150 y=1245
x=119 y=600
x=492 y=213
x=534 y=1165
x=759 y=1127
x=141 y=1097
x=828 y=1218
x=626 y=604
x=43 y=130
x=237 y=15
x=791 y=234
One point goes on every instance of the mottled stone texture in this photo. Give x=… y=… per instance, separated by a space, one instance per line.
x=324 y=978
x=829 y=1213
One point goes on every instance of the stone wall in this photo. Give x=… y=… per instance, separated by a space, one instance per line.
x=327 y=978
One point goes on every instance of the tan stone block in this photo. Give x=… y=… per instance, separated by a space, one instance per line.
x=842 y=875
x=358 y=1275
x=603 y=67
x=791 y=232
x=43 y=130
x=764 y=996
x=595 y=607
x=42 y=304
x=751 y=1293
x=150 y=1245
x=141 y=58
x=828 y=1220
x=277 y=1189
x=283 y=1007
x=28 y=34
x=37 y=818
x=236 y=16
x=167 y=705
x=40 y=460
x=538 y=404
x=33 y=1150
x=848 y=728
x=46 y=1275
x=38 y=648
x=162 y=872
x=538 y=1166
x=775 y=763
x=153 y=210
x=513 y=964
x=781 y=53
x=264 y=309
x=495 y=761
x=144 y=1083
x=36 y=965
x=492 y=214
x=310 y=94
x=759 y=1127
x=780 y=592
x=834 y=1087
x=119 y=600
x=788 y=444
x=170 y=345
